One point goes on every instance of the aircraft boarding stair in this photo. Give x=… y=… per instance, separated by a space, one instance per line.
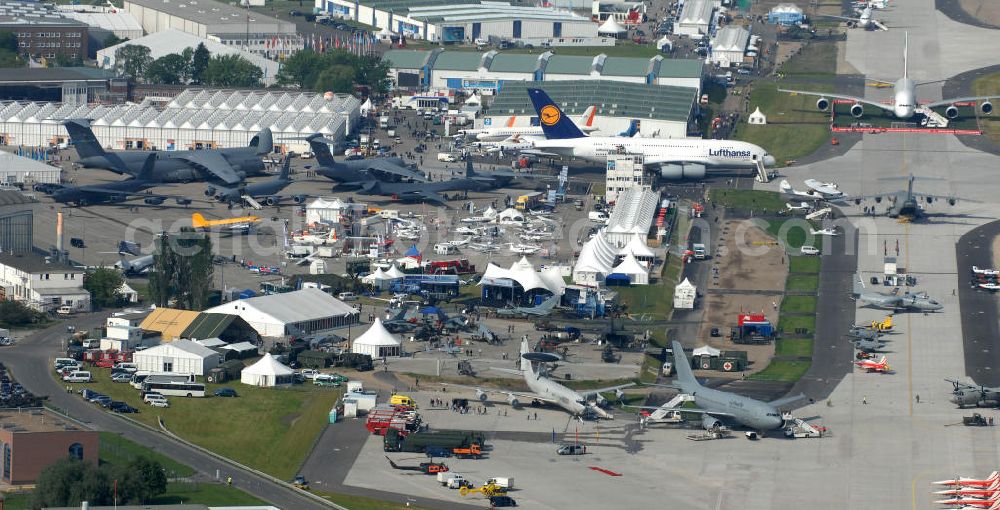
x=802 y=428
x=762 y=175
x=251 y=202
x=934 y=119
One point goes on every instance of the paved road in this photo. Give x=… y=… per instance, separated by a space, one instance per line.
x=960 y=85
x=953 y=10
x=980 y=330
x=30 y=359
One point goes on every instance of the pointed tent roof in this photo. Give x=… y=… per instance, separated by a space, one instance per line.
x=630 y=266
x=685 y=285
x=611 y=27
x=490 y=212
x=268 y=366
x=377 y=335
x=412 y=252
x=636 y=246
x=394 y=272
x=474 y=99
x=706 y=349
x=510 y=212
x=378 y=275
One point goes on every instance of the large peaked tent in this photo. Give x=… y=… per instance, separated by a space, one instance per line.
x=267 y=372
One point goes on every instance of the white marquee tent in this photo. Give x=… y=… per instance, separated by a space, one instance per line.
x=596 y=259
x=267 y=372
x=377 y=342
x=637 y=273
x=637 y=246
x=611 y=27
x=684 y=295
x=524 y=273
x=178 y=357
x=706 y=350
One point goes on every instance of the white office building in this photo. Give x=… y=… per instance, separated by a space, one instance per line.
x=42 y=283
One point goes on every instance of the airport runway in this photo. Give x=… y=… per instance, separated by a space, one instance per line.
x=980 y=330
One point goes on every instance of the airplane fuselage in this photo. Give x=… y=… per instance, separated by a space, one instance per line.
x=564 y=397
x=750 y=412
x=712 y=153
x=83 y=195
x=170 y=167
x=905 y=98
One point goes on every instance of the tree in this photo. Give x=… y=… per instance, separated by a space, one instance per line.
x=331 y=70
x=373 y=72
x=140 y=481
x=8 y=41
x=301 y=68
x=182 y=270
x=199 y=63
x=168 y=70
x=62 y=60
x=185 y=73
x=232 y=71
x=103 y=284
x=338 y=78
x=15 y=313
x=113 y=40
x=132 y=61
x=70 y=481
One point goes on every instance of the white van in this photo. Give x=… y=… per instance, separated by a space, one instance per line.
x=128 y=367
x=59 y=362
x=92 y=343
x=447 y=157
x=597 y=217
x=66 y=310
x=347 y=296
x=78 y=376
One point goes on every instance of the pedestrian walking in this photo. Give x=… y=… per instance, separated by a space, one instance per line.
x=918 y=398
x=864 y=400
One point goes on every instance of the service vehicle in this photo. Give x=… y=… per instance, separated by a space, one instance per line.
x=78 y=376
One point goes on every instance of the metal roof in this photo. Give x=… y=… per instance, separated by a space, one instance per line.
x=566 y=64
x=623 y=66
x=14 y=197
x=458 y=61
x=488 y=11
x=290 y=307
x=53 y=74
x=697 y=12
x=218 y=15
x=35 y=263
x=406 y=59
x=612 y=98
x=681 y=68
x=118 y=20
x=208 y=325
x=168 y=322
x=404 y=6
x=514 y=63
x=17 y=12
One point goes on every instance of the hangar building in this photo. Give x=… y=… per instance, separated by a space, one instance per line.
x=462 y=70
x=695 y=18
x=470 y=20
x=194 y=119
x=296 y=313
x=662 y=111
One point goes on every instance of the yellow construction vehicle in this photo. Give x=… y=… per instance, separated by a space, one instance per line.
x=488 y=489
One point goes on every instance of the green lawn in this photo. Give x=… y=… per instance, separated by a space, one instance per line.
x=802 y=282
x=782 y=370
x=115 y=449
x=651 y=369
x=794 y=232
x=12 y=501
x=747 y=199
x=286 y=420
x=210 y=494
x=652 y=300
x=984 y=86
x=804 y=264
x=795 y=347
x=798 y=304
x=789 y=323
x=795 y=128
x=816 y=58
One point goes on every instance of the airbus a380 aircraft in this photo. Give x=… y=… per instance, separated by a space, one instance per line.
x=678 y=158
x=498 y=134
x=904 y=104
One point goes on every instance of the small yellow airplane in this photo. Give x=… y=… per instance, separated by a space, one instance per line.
x=241 y=223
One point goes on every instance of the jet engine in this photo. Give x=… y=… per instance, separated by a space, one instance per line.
x=298 y=199
x=878 y=200
x=272 y=201
x=675 y=172
x=986 y=107
x=210 y=191
x=154 y=200
x=951 y=112
x=857 y=110
x=952 y=201
x=709 y=422
x=481 y=395
x=513 y=401
x=929 y=199
x=857 y=201
x=823 y=104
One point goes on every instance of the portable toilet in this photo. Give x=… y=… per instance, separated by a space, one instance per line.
x=333 y=415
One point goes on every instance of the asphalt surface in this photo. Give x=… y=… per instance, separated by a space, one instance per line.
x=980 y=330
x=29 y=361
x=953 y=10
x=960 y=85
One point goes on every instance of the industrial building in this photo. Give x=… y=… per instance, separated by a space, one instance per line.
x=296 y=313
x=730 y=46
x=177 y=357
x=72 y=85
x=16 y=169
x=194 y=119
x=104 y=19
x=42 y=32
x=33 y=439
x=471 y=20
x=42 y=282
x=223 y=22
x=785 y=14
x=174 y=41
x=662 y=111
x=172 y=324
x=695 y=18
x=16 y=217
x=489 y=71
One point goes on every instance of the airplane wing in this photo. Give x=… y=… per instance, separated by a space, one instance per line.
x=506 y=393
x=788 y=400
x=822 y=187
x=430 y=196
x=856 y=99
x=212 y=162
x=944 y=102
x=846 y=18
x=390 y=168
x=587 y=393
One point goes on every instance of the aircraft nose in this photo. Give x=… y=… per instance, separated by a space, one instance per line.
x=769 y=160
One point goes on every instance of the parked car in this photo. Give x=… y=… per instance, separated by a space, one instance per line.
x=149 y=397
x=810 y=250
x=325 y=380
x=121 y=407
x=159 y=402
x=225 y=392
x=571 y=449
x=103 y=400
x=502 y=501
x=294 y=13
x=309 y=373
x=78 y=376
x=121 y=377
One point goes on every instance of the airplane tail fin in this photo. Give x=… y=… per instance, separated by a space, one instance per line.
x=263 y=141
x=859 y=286
x=391 y=463
x=786 y=187
x=285 y=166
x=906 y=47
x=525 y=364
x=83 y=138
x=511 y=120
x=554 y=122
x=587 y=119
x=321 y=150
x=128 y=248
x=146 y=172
x=633 y=129
x=198 y=221
x=685 y=377
x=469 y=172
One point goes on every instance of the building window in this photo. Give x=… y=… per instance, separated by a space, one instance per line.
x=168 y=366
x=6 y=461
x=76 y=451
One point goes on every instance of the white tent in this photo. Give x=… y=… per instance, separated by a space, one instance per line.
x=706 y=350
x=596 y=259
x=266 y=372
x=611 y=27
x=523 y=272
x=684 y=295
x=636 y=272
x=377 y=342
x=665 y=44
x=757 y=117
x=510 y=216
x=177 y=357
x=394 y=273
x=386 y=35
x=366 y=107
x=636 y=246
x=323 y=210
x=474 y=99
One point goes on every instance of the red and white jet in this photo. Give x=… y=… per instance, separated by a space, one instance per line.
x=874 y=366
x=985 y=492
x=971 y=482
x=972 y=503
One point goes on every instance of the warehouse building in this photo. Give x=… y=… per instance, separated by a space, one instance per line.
x=174 y=41
x=471 y=20
x=42 y=32
x=15 y=169
x=104 y=19
x=33 y=439
x=695 y=18
x=296 y=313
x=661 y=111
x=729 y=46
x=193 y=119
x=73 y=85
x=16 y=217
x=487 y=72
x=178 y=357
x=222 y=22
x=173 y=324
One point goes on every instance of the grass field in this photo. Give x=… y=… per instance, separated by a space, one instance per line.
x=782 y=370
x=795 y=128
x=205 y=494
x=794 y=234
x=802 y=282
x=115 y=449
x=287 y=420
x=747 y=199
x=803 y=264
x=798 y=304
x=983 y=86
x=794 y=347
x=655 y=301
x=816 y=58
x=789 y=323
x=12 y=501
